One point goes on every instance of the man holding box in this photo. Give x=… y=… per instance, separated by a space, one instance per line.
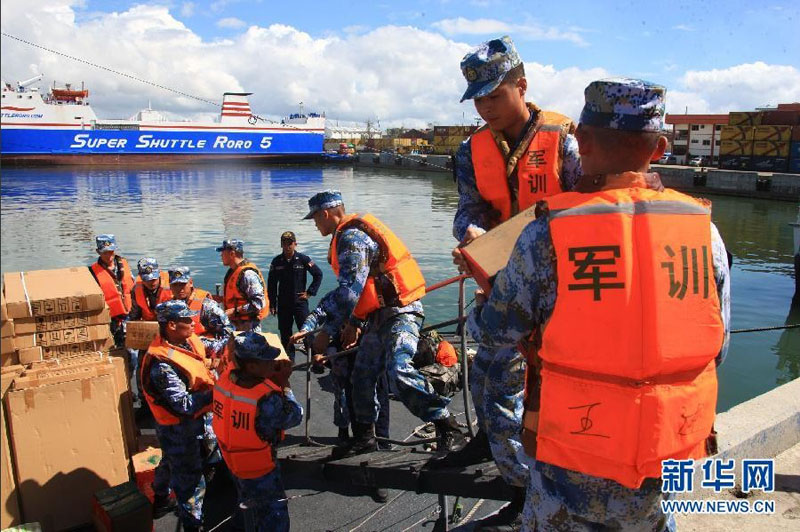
x=177 y=385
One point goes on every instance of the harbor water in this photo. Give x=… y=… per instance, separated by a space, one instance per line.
x=179 y=214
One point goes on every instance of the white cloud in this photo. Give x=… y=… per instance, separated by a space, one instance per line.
x=399 y=75
x=525 y=31
x=187 y=9
x=683 y=27
x=231 y=22
x=737 y=88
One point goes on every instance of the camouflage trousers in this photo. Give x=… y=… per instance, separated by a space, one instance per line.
x=564 y=500
x=389 y=345
x=181 y=467
x=497 y=385
x=340 y=372
x=247 y=325
x=263 y=502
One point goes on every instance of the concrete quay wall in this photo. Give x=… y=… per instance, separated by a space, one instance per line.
x=780 y=186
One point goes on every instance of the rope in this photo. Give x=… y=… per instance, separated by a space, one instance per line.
x=758 y=329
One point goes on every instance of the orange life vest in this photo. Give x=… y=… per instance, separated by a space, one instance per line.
x=637 y=384
x=190 y=365
x=164 y=294
x=117 y=295
x=405 y=281
x=537 y=171
x=233 y=298
x=195 y=302
x=235 y=409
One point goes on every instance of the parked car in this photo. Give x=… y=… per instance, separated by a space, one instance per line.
x=697 y=161
x=668 y=159
x=664 y=158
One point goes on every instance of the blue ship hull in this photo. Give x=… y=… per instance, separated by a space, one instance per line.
x=97 y=146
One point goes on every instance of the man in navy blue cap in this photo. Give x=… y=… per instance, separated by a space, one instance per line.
x=113 y=274
x=244 y=288
x=522 y=155
x=286 y=281
x=621 y=349
x=177 y=385
x=379 y=286
x=253 y=406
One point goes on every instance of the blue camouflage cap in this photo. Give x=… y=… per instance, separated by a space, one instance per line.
x=181 y=274
x=625 y=104
x=252 y=345
x=173 y=310
x=233 y=243
x=148 y=269
x=323 y=200
x=486 y=67
x=105 y=243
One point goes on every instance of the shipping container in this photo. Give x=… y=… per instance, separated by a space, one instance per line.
x=734 y=162
x=773 y=133
x=781 y=118
x=770 y=164
x=794 y=165
x=796 y=133
x=736 y=147
x=744 y=119
x=736 y=133
x=794 y=150
x=767 y=148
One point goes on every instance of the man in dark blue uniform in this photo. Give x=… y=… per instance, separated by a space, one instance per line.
x=288 y=296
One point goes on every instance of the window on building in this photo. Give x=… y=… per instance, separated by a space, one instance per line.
x=718 y=127
x=695 y=127
x=695 y=141
x=716 y=142
x=706 y=143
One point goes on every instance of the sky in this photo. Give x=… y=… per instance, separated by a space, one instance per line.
x=397 y=63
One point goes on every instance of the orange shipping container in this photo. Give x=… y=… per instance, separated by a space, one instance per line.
x=767 y=148
x=773 y=133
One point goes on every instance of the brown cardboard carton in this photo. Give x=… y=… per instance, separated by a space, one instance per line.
x=57 y=322
x=48 y=292
x=77 y=335
x=7 y=328
x=9 y=501
x=81 y=348
x=139 y=334
x=3 y=311
x=489 y=253
x=67 y=444
x=9 y=359
x=7 y=345
x=29 y=355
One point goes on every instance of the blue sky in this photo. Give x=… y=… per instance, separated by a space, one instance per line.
x=399 y=60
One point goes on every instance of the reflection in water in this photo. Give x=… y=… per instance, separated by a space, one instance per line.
x=180 y=214
x=788 y=347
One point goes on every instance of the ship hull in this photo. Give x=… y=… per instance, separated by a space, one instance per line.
x=44 y=146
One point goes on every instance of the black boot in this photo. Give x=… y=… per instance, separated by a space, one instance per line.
x=344 y=435
x=380 y=495
x=363 y=442
x=508 y=519
x=162 y=505
x=448 y=435
x=477 y=450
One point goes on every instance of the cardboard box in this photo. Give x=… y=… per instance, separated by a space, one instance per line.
x=7 y=328
x=10 y=514
x=29 y=355
x=58 y=322
x=122 y=508
x=48 y=292
x=71 y=350
x=9 y=359
x=77 y=335
x=8 y=344
x=489 y=253
x=67 y=444
x=139 y=334
x=3 y=310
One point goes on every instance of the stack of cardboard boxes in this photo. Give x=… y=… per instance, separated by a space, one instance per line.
x=68 y=428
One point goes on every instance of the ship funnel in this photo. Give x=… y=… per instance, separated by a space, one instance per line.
x=235 y=108
x=34 y=79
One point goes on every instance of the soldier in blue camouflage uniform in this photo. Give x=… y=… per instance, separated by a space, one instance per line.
x=391 y=336
x=522 y=300
x=181 y=467
x=263 y=499
x=494 y=371
x=249 y=285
